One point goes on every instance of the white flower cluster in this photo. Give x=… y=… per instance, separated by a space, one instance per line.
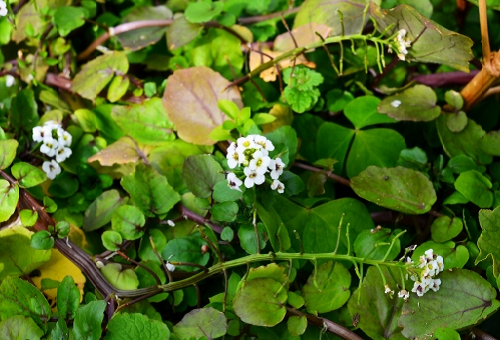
x=431 y=265
x=252 y=152
x=3 y=8
x=56 y=142
x=402 y=43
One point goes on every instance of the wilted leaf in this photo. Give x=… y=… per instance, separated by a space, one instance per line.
x=190 y=100
x=435 y=44
x=123 y=151
x=418 y=103
x=399 y=189
x=462 y=292
x=207 y=322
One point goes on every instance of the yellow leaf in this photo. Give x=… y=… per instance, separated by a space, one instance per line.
x=56 y=269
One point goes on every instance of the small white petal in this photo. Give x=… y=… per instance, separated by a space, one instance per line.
x=52 y=169
x=170 y=267
x=396 y=103
x=171 y=223
x=9 y=80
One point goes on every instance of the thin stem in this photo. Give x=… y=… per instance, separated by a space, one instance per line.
x=163 y=263
x=338 y=234
x=483 y=19
x=392 y=244
x=199 y=219
x=332 y=176
x=260 y=18
x=254 y=222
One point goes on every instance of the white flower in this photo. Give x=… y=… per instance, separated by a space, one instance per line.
x=3 y=8
x=246 y=142
x=64 y=138
x=42 y=133
x=388 y=290
x=435 y=284
x=440 y=264
x=276 y=166
x=404 y=294
x=52 y=169
x=62 y=153
x=49 y=147
x=233 y=181
x=259 y=162
x=396 y=103
x=51 y=124
x=402 y=43
x=234 y=158
x=253 y=177
x=277 y=185
x=264 y=143
x=9 y=80
x=170 y=267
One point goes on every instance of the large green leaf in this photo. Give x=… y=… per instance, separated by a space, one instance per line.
x=68 y=298
x=418 y=103
x=333 y=141
x=8 y=150
x=327 y=288
x=150 y=191
x=319 y=227
x=147 y=123
x=475 y=187
x=489 y=241
x=362 y=112
x=466 y=142
x=186 y=249
x=431 y=42
x=9 y=196
x=261 y=302
x=28 y=175
x=207 y=322
x=200 y=174
x=129 y=222
x=100 y=211
x=399 y=189
x=445 y=228
x=490 y=143
x=22 y=298
x=126 y=326
x=380 y=147
x=19 y=327
x=17 y=257
x=96 y=74
x=464 y=299
x=374 y=244
x=88 y=319
x=377 y=312
x=190 y=100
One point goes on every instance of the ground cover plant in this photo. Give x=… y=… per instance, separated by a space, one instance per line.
x=266 y=169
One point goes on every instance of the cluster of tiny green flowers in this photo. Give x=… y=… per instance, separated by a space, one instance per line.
x=401 y=44
x=429 y=266
x=55 y=143
x=252 y=153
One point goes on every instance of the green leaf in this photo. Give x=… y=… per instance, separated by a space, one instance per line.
x=150 y=191
x=248 y=237
x=227 y=234
x=200 y=174
x=444 y=228
x=86 y=119
x=276 y=230
x=297 y=325
x=263 y=118
x=223 y=193
x=370 y=244
x=205 y=322
x=64 y=185
x=475 y=187
x=285 y=142
x=28 y=217
x=362 y=112
x=21 y=298
x=295 y=300
x=333 y=141
x=42 y=240
x=17 y=257
x=28 y=175
x=229 y=108
x=9 y=196
x=8 y=150
x=68 y=18
x=68 y=298
x=100 y=212
x=111 y=240
x=261 y=302
x=96 y=74
x=186 y=249
x=489 y=241
x=379 y=147
x=225 y=212
x=124 y=326
x=490 y=143
x=435 y=44
x=271 y=271
x=327 y=288
x=128 y=221
x=147 y=123
x=146 y=251
x=462 y=163
x=88 y=319
x=417 y=103
x=118 y=88
x=446 y=334
x=198 y=12
x=466 y=142
x=181 y=32
x=19 y=327
x=454 y=99
x=301 y=91
x=191 y=98
x=399 y=189
x=24 y=110
x=120 y=278
x=435 y=309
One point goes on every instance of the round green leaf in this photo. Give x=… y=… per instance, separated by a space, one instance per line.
x=223 y=193
x=8 y=150
x=475 y=187
x=64 y=185
x=454 y=99
x=261 y=302
x=9 y=196
x=28 y=175
x=456 y=122
x=198 y=12
x=297 y=325
x=490 y=238
x=205 y=322
x=446 y=334
x=111 y=240
x=86 y=119
x=28 y=217
x=62 y=229
x=68 y=18
x=201 y=173
x=120 y=278
x=128 y=221
x=327 y=288
x=462 y=292
x=186 y=249
x=124 y=326
x=248 y=237
x=42 y=240
x=227 y=234
x=224 y=212
x=368 y=244
x=445 y=228
x=362 y=112
x=399 y=188
x=295 y=300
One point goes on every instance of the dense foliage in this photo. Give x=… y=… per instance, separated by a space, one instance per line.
x=265 y=169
